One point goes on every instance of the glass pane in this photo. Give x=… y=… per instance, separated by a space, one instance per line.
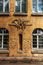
x=35 y=32
x=34 y=5
x=41 y=41
x=6 y=0
x=1 y=7
x=34 y=44
x=5 y=45
x=7 y=8
x=40 y=44
x=0 y=41
x=23 y=1
x=40 y=36
x=17 y=4
x=40 y=6
x=34 y=37
x=6 y=37
x=39 y=31
x=5 y=41
x=1 y=1
x=24 y=7
x=6 y=5
x=3 y=30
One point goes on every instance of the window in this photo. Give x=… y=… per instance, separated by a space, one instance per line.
x=20 y=6
x=4 y=38
x=4 y=6
x=20 y=41
x=38 y=39
x=38 y=6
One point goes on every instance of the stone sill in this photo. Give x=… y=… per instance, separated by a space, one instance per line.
x=20 y=51
x=37 y=14
x=31 y=60
x=20 y=14
x=4 y=51
x=4 y=14
x=37 y=51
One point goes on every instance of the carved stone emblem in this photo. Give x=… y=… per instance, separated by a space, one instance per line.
x=20 y=23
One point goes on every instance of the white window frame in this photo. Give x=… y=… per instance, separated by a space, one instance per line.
x=37 y=48
x=20 y=6
x=4 y=6
x=2 y=34
x=2 y=47
x=36 y=8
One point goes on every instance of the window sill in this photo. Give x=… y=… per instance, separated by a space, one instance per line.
x=37 y=51
x=37 y=14
x=4 y=51
x=20 y=14
x=20 y=51
x=4 y=14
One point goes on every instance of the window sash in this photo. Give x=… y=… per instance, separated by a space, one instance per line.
x=21 y=3
x=2 y=41
x=36 y=6
x=37 y=42
x=4 y=5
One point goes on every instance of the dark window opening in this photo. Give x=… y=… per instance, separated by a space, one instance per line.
x=20 y=41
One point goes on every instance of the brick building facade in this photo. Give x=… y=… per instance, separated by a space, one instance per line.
x=21 y=28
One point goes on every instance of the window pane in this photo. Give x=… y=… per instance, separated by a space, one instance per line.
x=40 y=5
x=1 y=6
x=6 y=0
x=34 y=5
x=41 y=38
x=23 y=1
x=6 y=5
x=0 y=41
x=4 y=38
x=7 y=8
x=24 y=7
x=17 y=4
x=5 y=41
x=40 y=44
x=34 y=37
x=34 y=44
x=5 y=45
x=41 y=41
x=1 y=0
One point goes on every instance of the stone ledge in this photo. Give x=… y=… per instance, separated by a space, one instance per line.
x=4 y=51
x=21 y=59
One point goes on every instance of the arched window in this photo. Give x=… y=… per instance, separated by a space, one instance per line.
x=4 y=38
x=38 y=39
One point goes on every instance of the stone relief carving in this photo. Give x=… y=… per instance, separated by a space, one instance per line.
x=20 y=23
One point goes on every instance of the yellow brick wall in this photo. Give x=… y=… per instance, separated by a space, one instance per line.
x=36 y=21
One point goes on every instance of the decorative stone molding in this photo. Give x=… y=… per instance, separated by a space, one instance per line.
x=20 y=23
